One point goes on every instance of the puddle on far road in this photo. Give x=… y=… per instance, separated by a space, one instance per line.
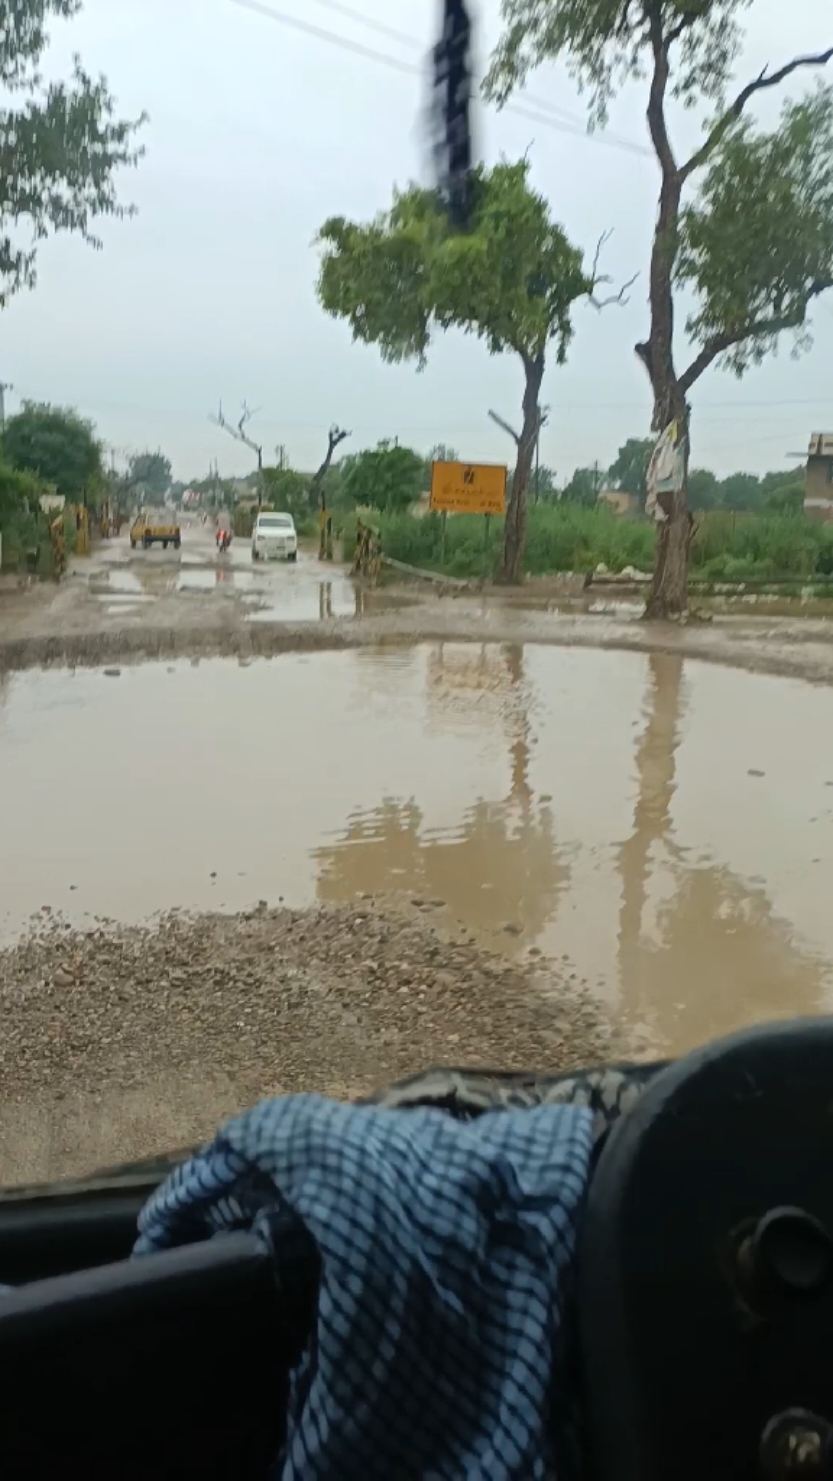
x=665 y=827
x=278 y=592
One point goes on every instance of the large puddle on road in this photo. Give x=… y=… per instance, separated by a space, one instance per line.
x=665 y=828
x=305 y=592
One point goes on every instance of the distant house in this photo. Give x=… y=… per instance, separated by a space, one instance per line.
x=818 y=478
x=620 y=502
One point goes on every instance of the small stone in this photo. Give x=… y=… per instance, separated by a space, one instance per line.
x=62 y=978
x=545 y=797
x=753 y=772
x=112 y=673
x=512 y=930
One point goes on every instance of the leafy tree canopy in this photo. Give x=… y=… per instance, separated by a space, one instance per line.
x=384 y=477
x=630 y=470
x=57 y=445
x=703 y=489
x=442 y=453
x=604 y=41
x=20 y=492
x=583 y=487
x=286 y=490
x=61 y=147
x=757 y=244
x=512 y=280
x=149 y=474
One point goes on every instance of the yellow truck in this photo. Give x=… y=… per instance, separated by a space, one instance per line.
x=147 y=530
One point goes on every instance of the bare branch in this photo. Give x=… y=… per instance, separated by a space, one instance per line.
x=506 y=427
x=735 y=109
x=757 y=329
x=239 y=432
x=621 y=297
x=335 y=436
x=600 y=245
x=597 y=278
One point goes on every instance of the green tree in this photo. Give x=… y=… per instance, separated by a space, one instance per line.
x=61 y=147
x=57 y=445
x=149 y=476
x=288 y=491
x=630 y=470
x=583 y=487
x=385 y=477
x=703 y=489
x=544 y=484
x=755 y=247
x=511 y=280
x=787 y=498
x=741 y=492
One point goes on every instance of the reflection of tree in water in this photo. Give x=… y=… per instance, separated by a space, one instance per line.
x=501 y=865
x=726 y=960
x=723 y=959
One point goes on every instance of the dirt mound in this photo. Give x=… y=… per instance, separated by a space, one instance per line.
x=338 y=1000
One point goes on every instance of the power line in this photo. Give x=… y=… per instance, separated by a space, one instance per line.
x=370 y=22
x=544 y=105
x=322 y=33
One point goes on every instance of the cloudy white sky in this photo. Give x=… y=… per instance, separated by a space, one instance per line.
x=258 y=132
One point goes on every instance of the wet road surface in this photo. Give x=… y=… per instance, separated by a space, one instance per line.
x=126 y=583
x=664 y=826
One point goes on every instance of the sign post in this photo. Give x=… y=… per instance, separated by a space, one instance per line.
x=468 y=488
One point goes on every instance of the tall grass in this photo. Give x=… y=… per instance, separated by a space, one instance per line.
x=569 y=537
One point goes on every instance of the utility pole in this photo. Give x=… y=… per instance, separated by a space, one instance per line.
x=543 y=416
x=280 y=451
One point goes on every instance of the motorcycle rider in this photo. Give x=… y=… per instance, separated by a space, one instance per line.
x=222 y=531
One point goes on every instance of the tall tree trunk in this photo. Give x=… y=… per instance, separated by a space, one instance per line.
x=668 y=597
x=514 y=532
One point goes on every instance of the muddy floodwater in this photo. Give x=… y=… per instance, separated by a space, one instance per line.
x=665 y=827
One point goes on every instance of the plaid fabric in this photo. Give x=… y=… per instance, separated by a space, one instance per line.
x=445 y=1256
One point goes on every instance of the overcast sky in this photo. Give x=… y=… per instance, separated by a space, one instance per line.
x=258 y=132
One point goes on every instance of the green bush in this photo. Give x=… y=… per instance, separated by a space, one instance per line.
x=562 y=537
x=570 y=537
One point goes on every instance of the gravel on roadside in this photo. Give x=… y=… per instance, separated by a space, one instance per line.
x=336 y=999
x=328 y=998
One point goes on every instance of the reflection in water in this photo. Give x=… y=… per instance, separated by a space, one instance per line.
x=718 y=955
x=501 y=865
x=500 y=780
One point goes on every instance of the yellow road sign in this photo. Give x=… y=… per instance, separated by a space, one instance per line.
x=468 y=488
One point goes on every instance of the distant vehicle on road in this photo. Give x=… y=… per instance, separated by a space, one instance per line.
x=147 y=530
x=274 y=538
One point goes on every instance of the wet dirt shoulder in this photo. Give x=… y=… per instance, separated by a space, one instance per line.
x=204 y=631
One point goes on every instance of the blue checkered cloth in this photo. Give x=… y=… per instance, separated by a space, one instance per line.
x=446 y=1255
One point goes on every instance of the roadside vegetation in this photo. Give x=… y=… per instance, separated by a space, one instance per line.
x=730 y=547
